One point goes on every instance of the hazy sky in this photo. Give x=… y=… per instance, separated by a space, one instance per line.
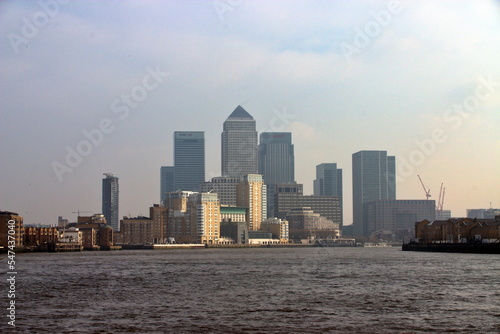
x=418 y=79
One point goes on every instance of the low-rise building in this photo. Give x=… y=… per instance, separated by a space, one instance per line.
x=145 y=230
x=304 y=223
x=456 y=230
x=278 y=227
x=11 y=221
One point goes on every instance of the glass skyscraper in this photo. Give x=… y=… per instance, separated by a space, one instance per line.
x=110 y=200
x=276 y=162
x=373 y=178
x=189 y=160
x=239 y=144
x=166 y=181
x=329 y=183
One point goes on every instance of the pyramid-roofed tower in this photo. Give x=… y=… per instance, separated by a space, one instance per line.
x=239 y=144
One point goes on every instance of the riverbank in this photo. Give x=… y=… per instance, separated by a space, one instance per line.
x=479 y=248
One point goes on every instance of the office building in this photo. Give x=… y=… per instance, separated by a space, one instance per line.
x=166 y=181
x=224 y=187
x=305 y=223
x=234 y=224
x=189 y=160
x=177 y=229
x=373 y=178
x=328 y=182
x=239 y=144
x=396 y=215
x=290 y=196
x=276 y=162
x=110 y=200
x=251 y=193
x=483 y=213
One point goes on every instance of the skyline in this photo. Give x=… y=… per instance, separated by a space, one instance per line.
x=429 y=95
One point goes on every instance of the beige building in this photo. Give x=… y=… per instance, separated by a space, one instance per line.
x=177 y=228
x=278 y=227
x=251 y=193
x=305 y=223
x=145 y=230
x=203 y=215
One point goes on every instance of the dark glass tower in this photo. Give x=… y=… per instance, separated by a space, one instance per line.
x=189 y=160
x=329 y=183
x=166 y=181
x=373 y=178
x=110 y=200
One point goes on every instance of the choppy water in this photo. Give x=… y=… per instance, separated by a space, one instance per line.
x=285 y=290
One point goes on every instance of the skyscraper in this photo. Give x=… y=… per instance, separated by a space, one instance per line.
x=166 y=181
x=373 y=178
x=110 y=200
x=239 y=144
x=276 y=162
x=329 y=183
x=189 y=160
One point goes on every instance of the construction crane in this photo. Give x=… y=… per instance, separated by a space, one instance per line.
x=440 y=203
x=426 y=190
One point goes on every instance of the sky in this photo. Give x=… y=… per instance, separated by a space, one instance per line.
x=93 y=87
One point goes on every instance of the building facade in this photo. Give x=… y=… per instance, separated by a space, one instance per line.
x=234 y=224
x=224 y=187
x=328 y=182
x=396 y=215
x=189 y=160
x=290 y=196
x=483 y=213
x=239 y=144
x=276 y=162
x=203 y=214
x=110 y=200
x=373 y=178
x=11 y=221
x=146 y=230
x=251 y=193
x=166 y=181
x=305 y=223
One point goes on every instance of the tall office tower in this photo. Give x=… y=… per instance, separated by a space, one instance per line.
x=251 y=193
x=110 y=200
x=239 y=144
x=329 y=183
x=276 y=163
x=166 y=181
x=373 y=178
x=189 y=160
x=203 y=215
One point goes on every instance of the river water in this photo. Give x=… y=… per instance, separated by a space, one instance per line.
x=264 y=290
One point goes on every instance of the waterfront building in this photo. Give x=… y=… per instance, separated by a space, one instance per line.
x=146 y=230
x=40 y=236
x=224 y=187
x=276 y=163
x=328 y=182
x=290 y=196
x=110 y=200
x=373 y=178
x=251 y=193
x=177 y=228
x=71 y=235
x=166 y=181
x=278 y=227
x=5 y=217
x=203 y=216
x=458 y=230
x=189 y=160
x=96 y=233
x=397 y=215
x=305 y=223
x=234 y=224
x=239 y=144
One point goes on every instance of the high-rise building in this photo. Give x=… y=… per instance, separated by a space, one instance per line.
x=329 y=183
x=224 y=187
x=239 y=144
x=290 y=196
x=166 y=181
x=203 y=213
x=276 y=162
x=395 y=215
x=189 y=160
x=373 y=178
x=251 y=193
x=11 y=221
x=110 y=200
